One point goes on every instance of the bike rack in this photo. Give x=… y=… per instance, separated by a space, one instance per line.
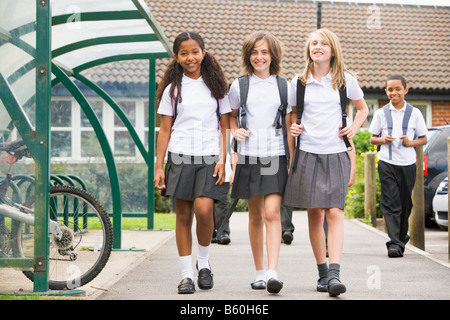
x=44 y=62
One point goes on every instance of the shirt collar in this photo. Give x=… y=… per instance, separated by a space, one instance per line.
x=391 y=107
x=256 y=79
x=311 y=79
x=187 y=80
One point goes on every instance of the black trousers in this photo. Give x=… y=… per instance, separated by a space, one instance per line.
x=221 y=209
x=397 y=183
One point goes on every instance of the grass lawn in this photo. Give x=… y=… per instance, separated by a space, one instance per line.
x=162 y=221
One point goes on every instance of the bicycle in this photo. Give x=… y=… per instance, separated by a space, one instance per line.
x=80 y=230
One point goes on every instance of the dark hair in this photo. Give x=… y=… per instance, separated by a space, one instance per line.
x=211 y=71
x=396 y=77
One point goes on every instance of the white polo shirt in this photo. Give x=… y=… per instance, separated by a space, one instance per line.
x=401 y=156
x=195 y=131
x=262 y=105
x=322 y=115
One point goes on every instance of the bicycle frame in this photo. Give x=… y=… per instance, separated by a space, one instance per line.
x=18 y=215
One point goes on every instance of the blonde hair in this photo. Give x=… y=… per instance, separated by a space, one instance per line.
x=275 y=51
x=337 y=60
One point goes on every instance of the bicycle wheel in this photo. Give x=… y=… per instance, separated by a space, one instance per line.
x=86 y=243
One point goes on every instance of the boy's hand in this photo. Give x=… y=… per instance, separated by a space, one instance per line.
x=406 y=142
x=387 y=139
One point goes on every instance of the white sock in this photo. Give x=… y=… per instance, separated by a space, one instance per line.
x=271 y=274
x=186 y=267
x=203 y=257
x=260 y=275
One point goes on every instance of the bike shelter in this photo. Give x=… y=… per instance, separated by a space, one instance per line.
x=46 y=42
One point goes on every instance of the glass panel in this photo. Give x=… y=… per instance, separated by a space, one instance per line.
x=129 y=108
x=124 y=145
x=61 y=144
x=90 y=147
x=61 y=113
x=97 y=106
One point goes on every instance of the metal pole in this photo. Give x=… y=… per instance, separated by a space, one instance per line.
x=417 y=218
x=370 y=188
x=42 y=161
x=319 y=15
x=151 y=144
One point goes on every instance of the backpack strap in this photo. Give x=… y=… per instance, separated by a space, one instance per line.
x=343 y=99
x=300 y=107
x=388 y=116
x=243 y=89
x=281 y=113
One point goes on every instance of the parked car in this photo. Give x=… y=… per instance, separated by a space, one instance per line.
x=440 y=205
x=435 y=167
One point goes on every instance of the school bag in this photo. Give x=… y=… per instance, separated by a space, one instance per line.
x=242 y=123
x=300 y=107
x=388 y=116
x=281 y=113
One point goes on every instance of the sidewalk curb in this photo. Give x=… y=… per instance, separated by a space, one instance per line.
x=408 y=246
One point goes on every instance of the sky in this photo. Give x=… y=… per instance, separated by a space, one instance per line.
x=414 y=2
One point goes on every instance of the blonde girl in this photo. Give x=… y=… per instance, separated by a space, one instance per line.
x=320 y=180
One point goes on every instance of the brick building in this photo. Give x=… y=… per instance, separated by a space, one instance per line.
x=377 y=40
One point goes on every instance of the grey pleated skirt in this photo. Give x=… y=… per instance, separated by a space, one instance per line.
x=319 y=181
x=189 y=177
x=259 y=176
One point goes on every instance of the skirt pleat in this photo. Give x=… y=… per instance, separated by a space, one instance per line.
x=189 y=180
x=320 y=181
x=259 y=176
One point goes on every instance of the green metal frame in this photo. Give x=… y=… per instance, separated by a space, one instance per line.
x=38 y=139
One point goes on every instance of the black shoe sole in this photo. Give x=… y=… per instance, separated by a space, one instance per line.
x=274 y=285
x=336 y=289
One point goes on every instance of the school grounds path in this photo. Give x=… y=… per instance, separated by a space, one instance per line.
x=366 y=270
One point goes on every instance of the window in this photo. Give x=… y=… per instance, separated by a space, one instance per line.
x=74 y=139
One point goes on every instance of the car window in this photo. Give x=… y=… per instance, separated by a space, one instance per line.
x=430 y=135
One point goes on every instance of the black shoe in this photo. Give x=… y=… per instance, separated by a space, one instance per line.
x=322 y=285
x=274 y=285
x=288 y=237
x=205 y=279
x=224 y=239
x=394 y=251
x=258 y=285
x=335 y=287
x=186 y=286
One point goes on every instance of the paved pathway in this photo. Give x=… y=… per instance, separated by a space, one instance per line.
x=365 y=269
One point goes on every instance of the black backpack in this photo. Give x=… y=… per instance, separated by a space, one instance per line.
x=300 y=108
x=281 y=113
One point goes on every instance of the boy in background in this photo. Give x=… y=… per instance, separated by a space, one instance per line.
x=397 y=160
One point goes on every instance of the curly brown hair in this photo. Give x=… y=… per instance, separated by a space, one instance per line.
x=211 y=71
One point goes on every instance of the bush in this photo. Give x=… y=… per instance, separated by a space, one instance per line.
x=354 y=205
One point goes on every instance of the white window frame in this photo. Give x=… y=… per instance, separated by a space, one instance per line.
x=108 y=127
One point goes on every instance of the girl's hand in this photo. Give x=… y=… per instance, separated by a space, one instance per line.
x=219 y=172
x=347 y=131
x=241 y=134
x=159 y=179
x=296 y=129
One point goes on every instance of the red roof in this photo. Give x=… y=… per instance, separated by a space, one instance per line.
x=410 y=40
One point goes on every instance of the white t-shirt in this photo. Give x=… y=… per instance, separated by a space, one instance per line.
x=401 y=156
x=322 y=115
x=262 y=105
x=195 y=131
